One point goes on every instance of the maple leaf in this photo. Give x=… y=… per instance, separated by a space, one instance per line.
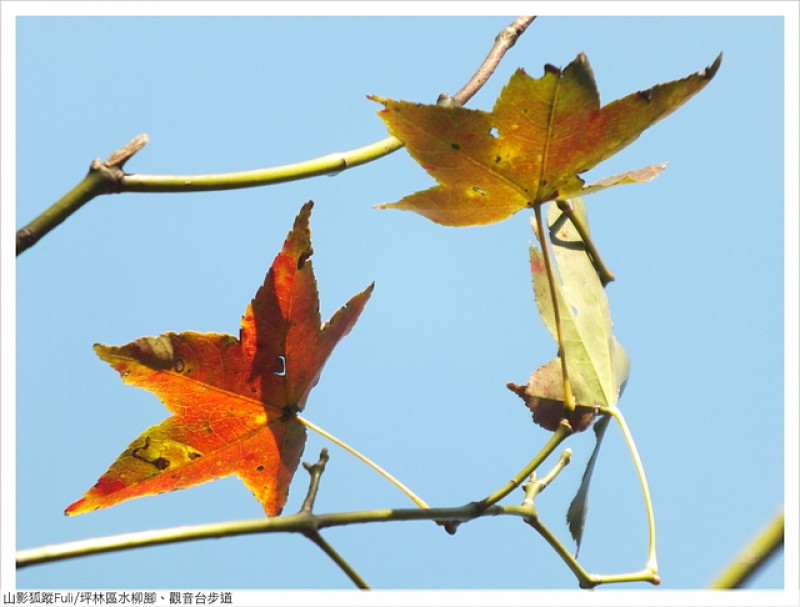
x=234 y=401
x=530 y=149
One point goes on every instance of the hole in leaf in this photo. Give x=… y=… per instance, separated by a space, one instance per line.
x=179 y=365
x=282 y=370
x=493 y=132
x=478 y=190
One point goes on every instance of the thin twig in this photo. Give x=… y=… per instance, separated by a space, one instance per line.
x=536 y=485
x=337 y=558
x=315 y=471
x=103 y=182
x=586 y=579
x=504 y=41
x=561 y=433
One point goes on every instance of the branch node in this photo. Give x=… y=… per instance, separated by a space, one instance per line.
x=475 y=508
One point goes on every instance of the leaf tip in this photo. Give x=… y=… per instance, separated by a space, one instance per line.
x=76 y=507
x=516 y=389
x=549 y=68
x=709 y=72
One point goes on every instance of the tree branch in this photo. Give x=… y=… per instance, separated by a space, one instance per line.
x=315 y=471
x=504 y=41
x=102 y=178
x=302 y=522
x=753 y=556
x=101 y=181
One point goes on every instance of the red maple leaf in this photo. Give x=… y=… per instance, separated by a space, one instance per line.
x=234 y=402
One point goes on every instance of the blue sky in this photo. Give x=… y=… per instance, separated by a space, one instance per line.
x=419 y=385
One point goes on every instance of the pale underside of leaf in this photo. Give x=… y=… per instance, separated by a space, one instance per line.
x=598 y=365
x=594 y=357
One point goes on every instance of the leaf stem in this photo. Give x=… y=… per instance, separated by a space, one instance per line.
x=753 y=556
x=569 y=398
x=652 y=563
x=414 y=498
x=606 y=275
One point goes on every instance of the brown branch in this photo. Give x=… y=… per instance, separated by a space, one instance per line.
x=315 y=471
x=504 y=41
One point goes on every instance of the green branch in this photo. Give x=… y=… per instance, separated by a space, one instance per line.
x=102 y=178
x=105 y=178
x=329 y=164
x=309 y=524
x=753 y=556
x=478 y=508
x=561 y=433
x=301 y=522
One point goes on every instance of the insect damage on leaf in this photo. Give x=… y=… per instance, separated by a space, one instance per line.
x=541 y=134
x=233 y=401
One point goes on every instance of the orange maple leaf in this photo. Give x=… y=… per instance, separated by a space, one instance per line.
x=234 y=401
x=531 y=147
